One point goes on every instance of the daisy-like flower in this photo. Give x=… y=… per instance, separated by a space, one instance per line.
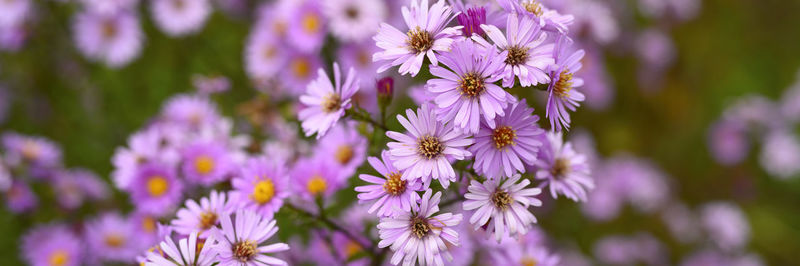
x=114 y=39
x=359 y=57
x=180 y=17
x=316 y=177
x=563 y=98
x=525 y=254
x=73 y=187
x=502 y=205
x=347 y=147
x=424 y=152
x=261 y=186
x=240 y=243
x=549 y=19
x=299 y=70
x=50 y=245
x=427 y=34
x=394 y=195
x=110 y=237
x=264 y=55
x=20 y=198
x=326 y=102
x=420 y=235
x=156 y=189
x=466 y=91
x=306 y=31
x=528 y=55
x=501 y=151
x=143 y=146
x=36 y=151
x=354 y=20
x=206 y=162
x=188 y=252
x=190 y=110
x=563 y=170
x=200 y=217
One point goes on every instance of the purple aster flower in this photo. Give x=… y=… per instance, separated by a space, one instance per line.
x=525 y=254
x=316 y=177
x=207 y=85
x=528 y=54
x=261 y=186
x=549 y=19
x=264 y=55
x=143 y=146
x=641 y=248
x=466 y=91
x=147 y=228
x=240 y=243
x=73 y=187
x=200 y=216
x=190 y=110
x=155 y=189
x=34 y=151
x=359 y=57
x=598 y=87
x=306 y=30
x=471 y=21
x=114 y=39
x=15 y=12
x=111 y=238
x=206 y=162
x=515 y=139
x=563 y=98
x=180 y=17
x=425 y=150
x=780 y=155
x=354 y=20
x=20 y=197
x=55 y=244
x=299 y=71
x=563 y=170
x=502 y=205
x=419 y=235
x=427 y=34
x=188 y=252
x=726 y=225
x=394 y=195
x=681 y=222
x=728 y=141
x=347 y=146
x=326 y=102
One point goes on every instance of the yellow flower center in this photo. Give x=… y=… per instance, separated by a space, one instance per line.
x=30 y=150
x=58 y=258
x=244 y=251
x=263 y=191
x=207 y=220
x=108 y=29
x=394 y=185
x=528 y=261
x=533 y=7
x=316 y=185
x=352 y=248
x=503 y=136
x=471 y=85
x=429 y=147
x=204 y=164
x=420 y=227
x=149 y=224
x=114 y=240
x=157 y=186
x=310 y=23
x=419 y=41
x=344 y=153
x=301 y=68
x=564 y=84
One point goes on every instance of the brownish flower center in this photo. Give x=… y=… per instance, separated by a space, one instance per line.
x=419 y=41
x=420 y=227
x=471 y=85
x=516 y=55
x=207 y=220
x=109 y=29
x=528 y=261
x=429 y=147
x=501 y=199
x=351 y=12
x=244 y=251
x=504 y=136
x=561 y=168
x=178 y=4
x=344 y=153
x=331 y=103
x=533 y=7
x=394 y=185
x=114 y=240
x=564 y=84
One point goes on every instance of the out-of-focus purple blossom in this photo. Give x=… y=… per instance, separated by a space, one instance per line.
x=780 y=154
x=681 y=222
x=598 y=86
x=110 y=238
x=155 y=189
x=757 y=112
x=206 y=163
x=261 y=186
x=726 y=225
x=53 y=244
x=656 y=54
x=207 y=85
x=630 y=250
x=73 y=187
x=12 y=37
x=471 y=21
x=359 y=56
x=315 y=177
x=143 y=146
x=180 y=17
x=790 y=102
x=354 y=20
x=5 y=178
x=563 y=98
x=109 y=7
x=680 y=9
x=525 y=253
x=191 y=111
x=325 y=102
x=563 y=170
x=264 y=54
x=147 y=228
x=114 y=39
x=627 y=180
x=711 y=257
x=594 y=19
x=20 y=198
x=345 y=146
x=15 y=12
x=501 y=152
x=728 y=141
x=37 y=152
x=306 y=28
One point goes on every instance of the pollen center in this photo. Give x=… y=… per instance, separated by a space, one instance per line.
x=528 y=261
x=504 y=136
x=564 y=84
x=501 y=199
x=108 y=29
x=149 y=224
x=516 y=55
x=310 y=23
x=301 y=68
x=58 y=258
x=207 y=220
x=351 y=12
x=394 y=185
x=204 y=165
x=352 y=248
x=561 y=168
x=429 y=147
x=534 y=7
x=344 y=153
x=316 y=185
x=114 y=240
x=157 y=185
x=331 y=103
x=244 y=251
x=178 y=4
x=30 y=150
x=471 y=85
x=419 y=41
x=263 y=191
x=420 y=227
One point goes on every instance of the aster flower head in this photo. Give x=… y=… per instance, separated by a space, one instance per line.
x=180 y=17
x=299 y=70
x=34 y=151
x=394 y=195
x=190 y=111
x=240 y=243
x=206 y=162
x=110 y=237
x=190 y=251
x=726 y=225
x=316 y=177
x=502 y=150
x=525 y=254
x=563 y=170
x=55 y=244
x=425 y=150
x=109 y=6
x=358 y=55
x=73 y=187
x=264 y=55
x=143 y=146
x=427 y=35
x=354 y=20
x=501 y=205
x=156 y=189
x=114 y=39
x=347 y=147
x=327 y=101
x=548 y=19
x=420 y=235
x=563 y=98
x=261 y=186
x=466 y=92
x=471 y=21
x=200 y=216
x=306 y=28
x=528 y=55
x=20 y=198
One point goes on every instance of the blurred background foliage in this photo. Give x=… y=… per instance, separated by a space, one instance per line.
x=733 y=48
